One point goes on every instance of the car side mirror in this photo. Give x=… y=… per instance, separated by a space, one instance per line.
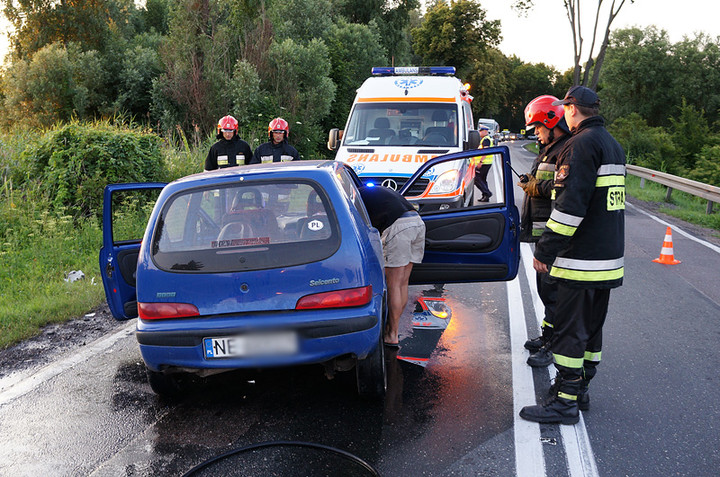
x=334 y=139
x=473 y=141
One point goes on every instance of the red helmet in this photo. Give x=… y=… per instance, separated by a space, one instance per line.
x=278 y=124
x=541 y=111
x=227 y=122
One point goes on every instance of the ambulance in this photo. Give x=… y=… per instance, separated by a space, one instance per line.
x=401 y=118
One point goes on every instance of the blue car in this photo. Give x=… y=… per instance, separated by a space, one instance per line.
x=277 y=264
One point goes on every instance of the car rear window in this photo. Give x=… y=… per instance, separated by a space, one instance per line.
x=245 y=226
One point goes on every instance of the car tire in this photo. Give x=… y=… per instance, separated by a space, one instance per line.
x=165 y=385
x=370 y=372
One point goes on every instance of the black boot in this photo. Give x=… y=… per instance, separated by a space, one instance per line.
x=583 y=397
x=533 y=345
x=541 y=358
x=560 y=409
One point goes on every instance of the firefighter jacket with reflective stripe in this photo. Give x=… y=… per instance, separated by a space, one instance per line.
x=584 y=239
x=224 y=153
x=536 y=210
x=477 y=161
x=271 y=152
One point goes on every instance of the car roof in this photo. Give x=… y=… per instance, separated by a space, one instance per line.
x=305 y=169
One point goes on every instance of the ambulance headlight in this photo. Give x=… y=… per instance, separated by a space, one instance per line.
x=446 y=183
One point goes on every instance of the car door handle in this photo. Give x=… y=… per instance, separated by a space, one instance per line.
x=465 y=242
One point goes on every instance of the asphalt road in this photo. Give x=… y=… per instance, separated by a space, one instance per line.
x=82 y=406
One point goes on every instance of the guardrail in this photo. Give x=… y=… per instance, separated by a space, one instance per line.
x=709 y=192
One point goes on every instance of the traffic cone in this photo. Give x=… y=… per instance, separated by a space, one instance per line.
x=666 y=254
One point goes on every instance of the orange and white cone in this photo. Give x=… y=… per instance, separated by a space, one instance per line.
x=666 y=254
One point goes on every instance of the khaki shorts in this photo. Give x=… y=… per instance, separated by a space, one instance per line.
x=404 y=241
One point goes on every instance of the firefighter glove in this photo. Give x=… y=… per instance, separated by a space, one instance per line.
x=530 y=187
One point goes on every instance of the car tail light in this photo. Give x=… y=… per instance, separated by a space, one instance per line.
x=336 y=299
x=161 y=311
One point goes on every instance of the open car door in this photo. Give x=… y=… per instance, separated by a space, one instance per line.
x=475 y=243
x=126 y=208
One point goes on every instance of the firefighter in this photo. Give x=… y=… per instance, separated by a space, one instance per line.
x=553 y=132
x=485 y=163
x=582 y=247
x=230 y=150
x=277 y=149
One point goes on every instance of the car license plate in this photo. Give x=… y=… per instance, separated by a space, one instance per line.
x=256 y=344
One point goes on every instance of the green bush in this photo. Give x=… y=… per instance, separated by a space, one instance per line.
x=646 y=146
x=707 y=166
x=74 y=163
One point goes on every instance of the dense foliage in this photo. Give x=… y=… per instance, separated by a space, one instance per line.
x=74 y=163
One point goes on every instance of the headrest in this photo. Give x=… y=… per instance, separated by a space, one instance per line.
x=382 y=123
x=439 y=115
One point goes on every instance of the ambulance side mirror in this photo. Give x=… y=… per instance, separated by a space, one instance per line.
x=473 y=141
x=334 y=139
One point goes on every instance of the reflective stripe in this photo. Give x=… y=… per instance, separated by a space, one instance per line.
x=566 y=219
x=571 y=397
x=576 y=363
x=560 y=228
x=548 y=325
x=593 y=356
x=545 y=171
x=611 y=170
x=546 y=166
x=607 y=181
x=591 y=265
x=587 y=276
x=544 y=175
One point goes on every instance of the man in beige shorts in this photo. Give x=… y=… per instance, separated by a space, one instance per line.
x=403 y=239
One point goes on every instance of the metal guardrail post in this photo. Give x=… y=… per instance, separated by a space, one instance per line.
x=698 y=189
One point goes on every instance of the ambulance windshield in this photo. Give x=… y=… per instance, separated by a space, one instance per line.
x=402 y=124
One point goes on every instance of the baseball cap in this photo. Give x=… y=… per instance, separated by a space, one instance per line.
x=580 y=95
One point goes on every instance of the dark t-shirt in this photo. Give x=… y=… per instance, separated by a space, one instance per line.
x=384 y=206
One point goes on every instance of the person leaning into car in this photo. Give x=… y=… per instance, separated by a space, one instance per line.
x=403 y=238
x=230 y=150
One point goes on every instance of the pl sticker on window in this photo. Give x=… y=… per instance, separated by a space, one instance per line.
x=315 y=225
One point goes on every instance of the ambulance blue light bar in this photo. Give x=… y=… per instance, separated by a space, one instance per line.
x=413 y=70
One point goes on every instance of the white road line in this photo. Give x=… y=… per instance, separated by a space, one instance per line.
x=18 y=384
x=578 y=451
x=529 y=457
x=675 y=228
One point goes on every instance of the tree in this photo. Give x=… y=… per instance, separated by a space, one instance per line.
x=640 y=76
x=87 y=23
x=303 y=90
x=353 y=49
x=455 y=34
x=390 y=17
x=59 y=83
x=199 y=55
x=573 y=10
x=690 y=133
x=301 y=20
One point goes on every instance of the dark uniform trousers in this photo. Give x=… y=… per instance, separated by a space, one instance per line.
x=547 y=290
x=579 y=319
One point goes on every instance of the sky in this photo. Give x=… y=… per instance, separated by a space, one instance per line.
x=529 y=38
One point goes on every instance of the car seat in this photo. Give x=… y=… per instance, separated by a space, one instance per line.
x=315 y=225
x=381 y=130
x=438 y=135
